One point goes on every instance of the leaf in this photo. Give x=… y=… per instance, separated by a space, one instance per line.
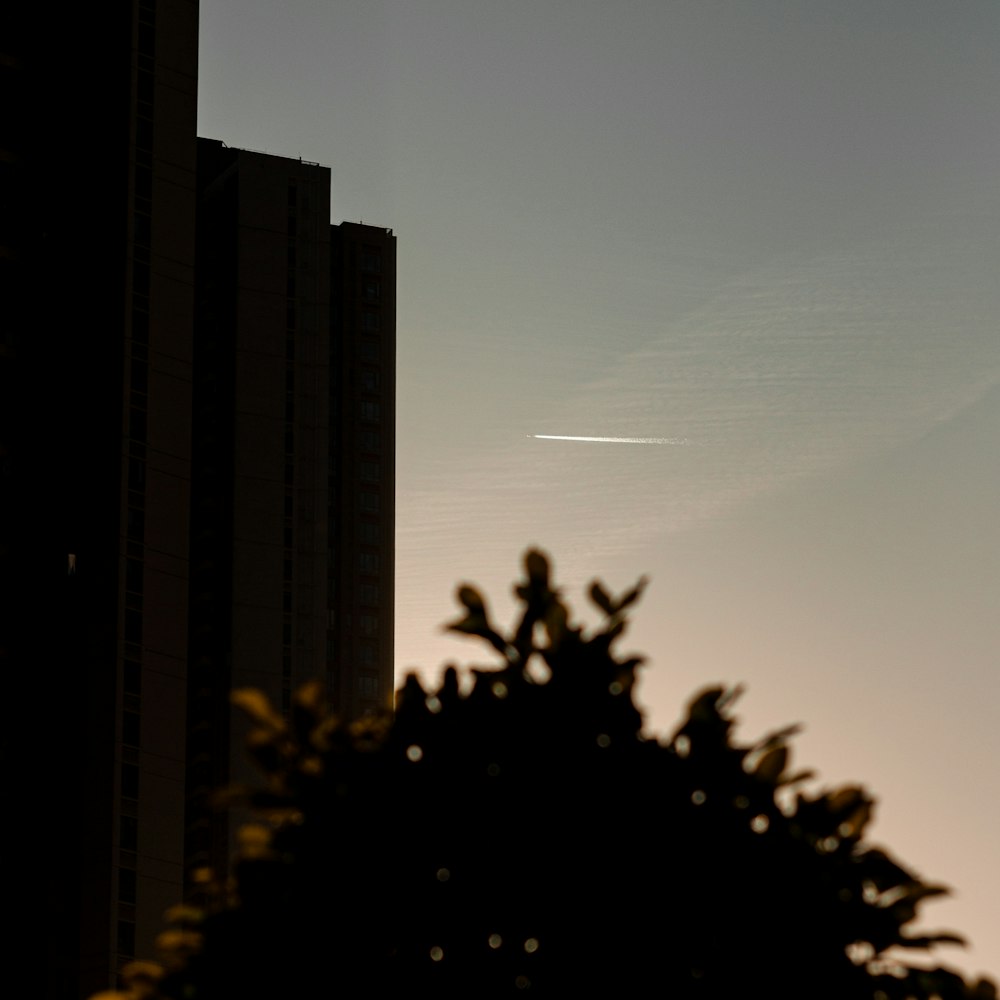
x=704 y=705
x=797 y=778
x=885 y=873
x=777 y=737
x=844 y=801
x=311 y=696
x=633 y=595
x=308 y=708
x=771 y=765
x=919 y=890
x=929 y=940
x=536 y=565
x=556 y=620
x=472 y=599
x=474 y=624
x=601 y=598
x=984 y=990
x=729 y=697
x=256 y=704
x=854 y=825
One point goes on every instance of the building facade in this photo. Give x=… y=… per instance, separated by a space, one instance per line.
x=98 y=172
x=293 y=471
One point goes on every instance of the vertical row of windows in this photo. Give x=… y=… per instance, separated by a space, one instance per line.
x=146 y=35
x=288 y=523
x=138 y=372
x=369 y=382
x=356 y=479
x=128 y=844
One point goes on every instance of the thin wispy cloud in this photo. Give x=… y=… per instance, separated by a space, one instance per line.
x=611 y=440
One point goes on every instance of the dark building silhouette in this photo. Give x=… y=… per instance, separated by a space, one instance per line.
x=293 y=473
x=97 y=263
x=133 y=428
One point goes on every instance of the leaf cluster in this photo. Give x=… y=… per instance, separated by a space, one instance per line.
x=523 y=834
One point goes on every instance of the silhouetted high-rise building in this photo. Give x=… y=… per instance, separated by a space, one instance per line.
x=293 y=472
x=98 y=180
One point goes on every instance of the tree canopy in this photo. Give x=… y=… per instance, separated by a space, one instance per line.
x=523 y=834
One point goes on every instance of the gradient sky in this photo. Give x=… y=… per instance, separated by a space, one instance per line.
x=771 y=229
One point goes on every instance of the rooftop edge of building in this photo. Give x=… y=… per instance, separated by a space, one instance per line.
x=221 y=144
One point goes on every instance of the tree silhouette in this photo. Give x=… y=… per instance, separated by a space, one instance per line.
x=524 y=835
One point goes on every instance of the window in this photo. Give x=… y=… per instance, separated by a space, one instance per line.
x=371 y=471
x=370 y=289
x=144 y=185
x=368 y=562
x=369 y=321
x=368 y=624
x=369 y=381
x=126 y=885
x=368 y=350
x=371 y=411
x=143 y=129
x=140 y=325
x=368 y=593
x=369 y=501
x=133 y=626
x=130 y=781
x=367 y=686
x=140 y=381
x=371 y=260
x=133 y=576
x=144 y=86
x=126 y=937
x=136 y=524
x=128 y=833
x=131 y=677
x=137 y=424
x=370 y=441
x=136 y=474
x=369 y=533
x=130 y=728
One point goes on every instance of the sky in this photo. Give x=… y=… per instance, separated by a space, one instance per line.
x=768 y=232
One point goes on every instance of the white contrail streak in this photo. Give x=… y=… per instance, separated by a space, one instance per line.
x=610 y=440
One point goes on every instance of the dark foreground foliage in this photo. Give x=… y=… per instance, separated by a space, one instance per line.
x=523 y=836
